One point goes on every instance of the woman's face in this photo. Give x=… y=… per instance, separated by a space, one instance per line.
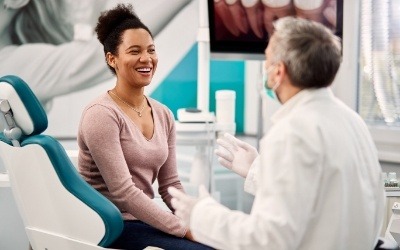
x=137 y=58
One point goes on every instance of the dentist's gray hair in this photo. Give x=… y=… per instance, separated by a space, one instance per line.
x=310 y=51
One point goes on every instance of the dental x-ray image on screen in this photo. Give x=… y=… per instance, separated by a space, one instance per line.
x=240 y=29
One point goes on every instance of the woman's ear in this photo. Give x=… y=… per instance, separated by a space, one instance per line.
x=110 y=59
x=15 y=4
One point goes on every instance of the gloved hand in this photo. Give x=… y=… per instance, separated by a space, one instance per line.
x=235 y=154
x=183 y=203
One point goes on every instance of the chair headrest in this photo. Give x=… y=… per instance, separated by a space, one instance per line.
x=28 y=113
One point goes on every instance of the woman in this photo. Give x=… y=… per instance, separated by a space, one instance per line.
x=127 y=140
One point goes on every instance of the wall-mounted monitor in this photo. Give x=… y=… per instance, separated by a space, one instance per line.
x=240 y=29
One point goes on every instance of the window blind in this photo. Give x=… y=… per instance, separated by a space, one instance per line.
x=379 y=71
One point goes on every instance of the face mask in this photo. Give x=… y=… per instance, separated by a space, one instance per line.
x=270 y=91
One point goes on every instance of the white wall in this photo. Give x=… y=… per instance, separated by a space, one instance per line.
x=345 y=84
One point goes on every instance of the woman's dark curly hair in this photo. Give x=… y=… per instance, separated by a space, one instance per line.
x=112 y=24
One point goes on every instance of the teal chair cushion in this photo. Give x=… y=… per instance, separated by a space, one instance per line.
x=32 y=105
x=76 y=185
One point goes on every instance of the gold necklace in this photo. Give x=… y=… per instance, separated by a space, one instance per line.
x=139 y=112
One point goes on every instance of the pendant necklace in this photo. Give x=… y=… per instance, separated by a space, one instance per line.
x=139 y=112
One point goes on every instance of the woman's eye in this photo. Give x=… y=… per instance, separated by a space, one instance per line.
x=152 y=51
x=135 y=52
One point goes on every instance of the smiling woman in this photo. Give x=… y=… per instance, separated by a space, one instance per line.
x=121 y=128
x=136 y=58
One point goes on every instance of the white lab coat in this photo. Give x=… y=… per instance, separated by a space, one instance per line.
x=318 y=185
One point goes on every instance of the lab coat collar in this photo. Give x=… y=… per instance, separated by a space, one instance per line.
x=302 y=97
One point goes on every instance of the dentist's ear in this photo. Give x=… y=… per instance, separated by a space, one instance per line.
x=281 y=69
x=15 y=4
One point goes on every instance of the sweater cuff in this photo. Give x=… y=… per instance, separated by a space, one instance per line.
x=184 y=232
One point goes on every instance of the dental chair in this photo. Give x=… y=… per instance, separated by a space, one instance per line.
x=59 y=209
x=386 y=244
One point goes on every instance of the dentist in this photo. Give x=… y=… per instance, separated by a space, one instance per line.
x=317 y=180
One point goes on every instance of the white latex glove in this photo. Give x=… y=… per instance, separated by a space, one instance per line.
x=183 y=203
x=235 y=154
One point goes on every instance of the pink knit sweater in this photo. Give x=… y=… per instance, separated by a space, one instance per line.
x=117 y=160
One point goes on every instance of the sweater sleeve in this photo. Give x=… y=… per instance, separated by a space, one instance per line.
x=168 y=175
x=100 y=131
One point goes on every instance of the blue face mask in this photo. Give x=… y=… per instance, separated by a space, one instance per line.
x=270 y=91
